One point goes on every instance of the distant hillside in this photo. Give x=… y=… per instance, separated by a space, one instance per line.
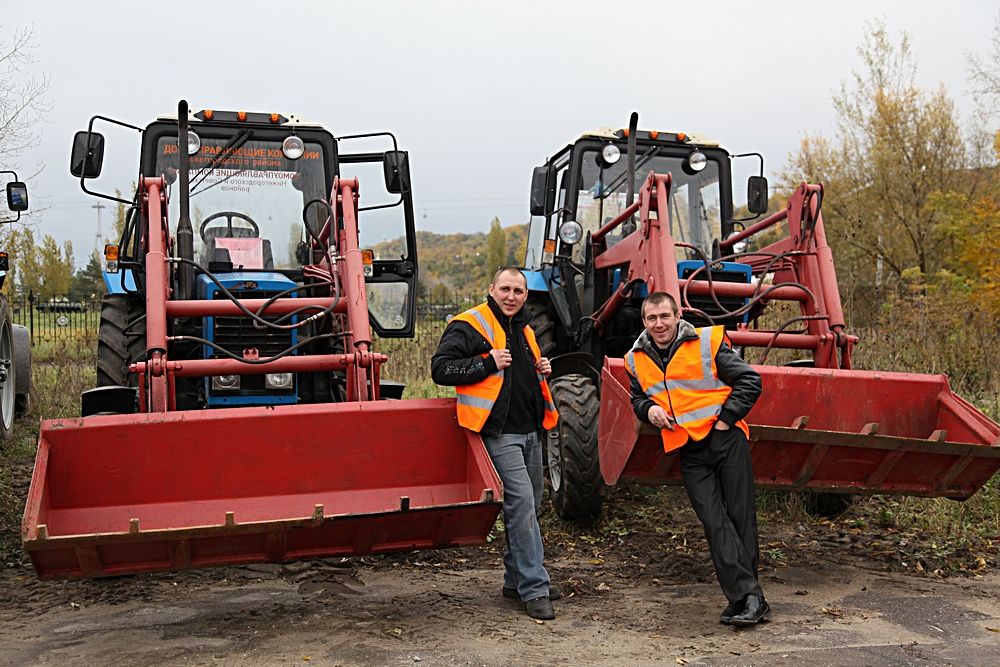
x=458 y=261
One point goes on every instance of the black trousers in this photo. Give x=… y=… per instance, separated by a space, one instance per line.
x=718 y=477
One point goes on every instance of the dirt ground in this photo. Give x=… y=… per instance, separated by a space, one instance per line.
x=638 y=590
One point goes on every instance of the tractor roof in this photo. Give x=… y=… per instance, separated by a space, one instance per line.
x=652 y=135
x=207 y=116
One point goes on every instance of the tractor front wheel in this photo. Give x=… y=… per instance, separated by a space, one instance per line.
x=571 y=451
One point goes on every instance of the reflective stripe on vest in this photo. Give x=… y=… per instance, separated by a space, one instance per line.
x=690 y=389
x=474 y=402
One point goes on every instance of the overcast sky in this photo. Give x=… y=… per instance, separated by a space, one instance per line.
x=478 y=93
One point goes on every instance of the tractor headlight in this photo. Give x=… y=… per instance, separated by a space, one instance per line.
x=293 y=147
x=278 y=380
x=570 y=232
x=225 y=382
x=695 y=162
x=610 y=154
x=194 y=143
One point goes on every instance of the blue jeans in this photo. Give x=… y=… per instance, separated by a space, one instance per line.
x=518 y=460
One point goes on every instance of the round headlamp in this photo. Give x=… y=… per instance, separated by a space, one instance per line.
x=194 y=143
x=293 y=147
x=695 y=162
x=610 y=154
x=570 y=232
x=278 y=380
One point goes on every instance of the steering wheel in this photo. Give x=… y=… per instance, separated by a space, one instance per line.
x=229 y=215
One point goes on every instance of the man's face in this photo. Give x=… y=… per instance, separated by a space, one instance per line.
x=510 y=291
x=660 y=320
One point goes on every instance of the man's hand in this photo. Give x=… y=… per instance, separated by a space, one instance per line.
x=659 y=418
x=722 y=426
x=502 y=358
x=544 y=367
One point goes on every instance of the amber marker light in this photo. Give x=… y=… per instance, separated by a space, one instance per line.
x=681 y=136
x=275 y=118
x=208 y=114
x=367 y=260
x=241 y=115
x=111 y=252
x=653 y=134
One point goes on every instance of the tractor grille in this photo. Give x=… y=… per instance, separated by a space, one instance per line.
x=236 y=334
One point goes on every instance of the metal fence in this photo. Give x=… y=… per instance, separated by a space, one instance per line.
x=54 y=320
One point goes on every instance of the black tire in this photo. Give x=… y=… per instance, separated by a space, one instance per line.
x=8 y=374
x=540 y=318
x=121 y=340
x=572 y=459
x=23 y=386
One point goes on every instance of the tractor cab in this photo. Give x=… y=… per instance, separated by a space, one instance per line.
x=246 y=197
x=589 y=184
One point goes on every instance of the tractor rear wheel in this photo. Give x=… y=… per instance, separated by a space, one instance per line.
x=121 y=339
x=540 y=318
x=8 y=370
x=572 y=459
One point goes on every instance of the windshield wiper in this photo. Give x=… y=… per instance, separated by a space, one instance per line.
x=219 y=182
x=227 y=150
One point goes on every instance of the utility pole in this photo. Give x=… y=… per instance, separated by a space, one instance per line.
x=98 y=237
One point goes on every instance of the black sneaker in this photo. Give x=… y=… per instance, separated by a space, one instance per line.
x=755 y=611
x=540 y=608
x=731 y=610
x=511 y=593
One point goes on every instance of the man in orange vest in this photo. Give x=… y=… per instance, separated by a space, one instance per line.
x=489 y=354
x=692 y=386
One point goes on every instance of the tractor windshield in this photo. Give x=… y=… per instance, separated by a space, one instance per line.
x=249 y=203
x=695 y=200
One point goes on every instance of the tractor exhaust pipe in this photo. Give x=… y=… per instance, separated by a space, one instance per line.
x=185 y=235
x=633 y=126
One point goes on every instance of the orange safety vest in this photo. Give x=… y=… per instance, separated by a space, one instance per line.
x=475 y=401
x=689 y=390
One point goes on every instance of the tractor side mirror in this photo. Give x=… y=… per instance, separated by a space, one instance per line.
x=543 y=191
x=757 y=194
x=17 y=196
x=396 y=167
x=87 y=156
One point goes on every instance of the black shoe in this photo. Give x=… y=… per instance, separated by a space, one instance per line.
x=540 y=608
x=731 y=610
x=554 y=593
x=755 y=610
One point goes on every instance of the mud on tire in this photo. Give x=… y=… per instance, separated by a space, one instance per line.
x=572 y=458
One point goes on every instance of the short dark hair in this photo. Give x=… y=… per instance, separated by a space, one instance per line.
x=656 y=298
x=508 y=269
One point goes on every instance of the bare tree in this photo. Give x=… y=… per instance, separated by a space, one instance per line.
x=22 y=95
x=984 y=74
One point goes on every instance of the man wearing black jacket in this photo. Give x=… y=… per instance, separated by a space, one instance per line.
x=692 y=386
x=489 y=354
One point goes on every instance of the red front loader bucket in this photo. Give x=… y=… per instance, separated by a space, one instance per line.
x=826 y=430
x=134 y=493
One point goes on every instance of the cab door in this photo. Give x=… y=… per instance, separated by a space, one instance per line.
x=386 y=228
